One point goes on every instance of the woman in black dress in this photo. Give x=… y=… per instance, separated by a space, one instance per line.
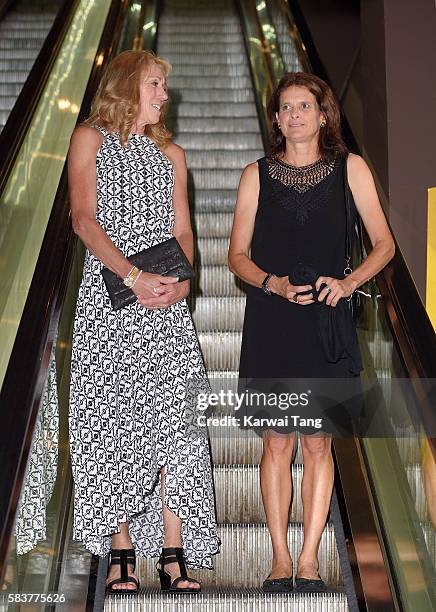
x=289 y=224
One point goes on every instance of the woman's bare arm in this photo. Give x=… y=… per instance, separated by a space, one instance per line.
x=368 y=205
x=85 y=143
x=182 y=226
x=241 y=237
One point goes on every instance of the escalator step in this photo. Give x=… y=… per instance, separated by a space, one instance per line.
x=216 y=69
x=218 y=313
x=20 y=43
x=196 y=48
x=181 y=110
x=221 y=159
x=210 y=82
x=16 y=64
x=221 y=350
x=225 y=142
x=238 y=496
x=232 y=569
x=212 y=251
x=217 y=95
x=208 y=125
x=168 y=28
x=214 y=200
x=213 y=225
x=225 y=600
x=216 y=281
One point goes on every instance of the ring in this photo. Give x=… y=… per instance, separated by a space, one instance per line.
x=327 y=289
x=154 y=289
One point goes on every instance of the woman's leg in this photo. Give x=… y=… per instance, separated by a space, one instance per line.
x=173 y=538
x=276 y=487
x=316 y=492
x=121 y=540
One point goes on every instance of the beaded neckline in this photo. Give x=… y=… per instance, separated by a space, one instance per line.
x=300 y=178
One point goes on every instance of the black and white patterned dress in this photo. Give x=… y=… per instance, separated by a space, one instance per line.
x=128 y=379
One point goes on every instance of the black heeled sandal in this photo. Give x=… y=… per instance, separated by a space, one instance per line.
x=122 y=557
x=174 y=555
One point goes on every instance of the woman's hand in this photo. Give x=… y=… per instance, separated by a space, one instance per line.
x=335 y=289
x=153 y=286
x=281 y=286
x=165 y=295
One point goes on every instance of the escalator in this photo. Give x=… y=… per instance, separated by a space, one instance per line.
x=378 y=548
x=23 y=31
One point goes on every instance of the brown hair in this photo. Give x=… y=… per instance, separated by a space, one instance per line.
x=115 y=104
x=330 y=142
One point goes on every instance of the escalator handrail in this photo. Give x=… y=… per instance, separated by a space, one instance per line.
x=15 y=129
x=28 y=365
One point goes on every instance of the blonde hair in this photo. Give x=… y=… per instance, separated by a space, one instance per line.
x=115 y=104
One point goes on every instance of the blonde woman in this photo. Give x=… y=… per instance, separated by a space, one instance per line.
x=141 y=484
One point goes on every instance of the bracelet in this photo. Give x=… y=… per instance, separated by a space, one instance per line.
x=132 y=277
x=265 y=282
x=140 y=272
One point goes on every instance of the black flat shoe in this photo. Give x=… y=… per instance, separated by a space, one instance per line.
x=122 y=557
x=174 y=555
x=308 y=585
x=277 y=585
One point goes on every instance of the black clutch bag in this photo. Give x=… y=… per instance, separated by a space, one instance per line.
x=166 y=258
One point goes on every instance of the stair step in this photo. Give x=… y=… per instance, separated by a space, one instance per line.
x=212 y=251
x=21 y=26
x=16 y=65
x=206 y=59
x=227 y=142
x=242 y=448
x=246 y=554
x=167 y=27
x=218 y=313
x=209 y=70
x=20 y=43
x=217 y=95
x=216 y=109
x=209 y=225
x=197 y=48
x=30 y=33
x=226 y=600
x=210 y=82
x=216 y=160
x=213 y=200
x=216 y=179
x=216 y=281
x=18 y=76
x=222 y=125
x=10 y=89
x=220 y=39
x=17 y=54
x=202 y=20
x=221 y=350
x=238 y=496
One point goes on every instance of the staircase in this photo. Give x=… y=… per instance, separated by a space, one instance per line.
x=22 y=34
x=214 y=118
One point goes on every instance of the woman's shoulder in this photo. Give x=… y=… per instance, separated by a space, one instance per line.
x=87 y=135
x=174 y=151
x=356 y=163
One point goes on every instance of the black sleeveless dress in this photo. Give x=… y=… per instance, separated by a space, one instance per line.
x=300 y=222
